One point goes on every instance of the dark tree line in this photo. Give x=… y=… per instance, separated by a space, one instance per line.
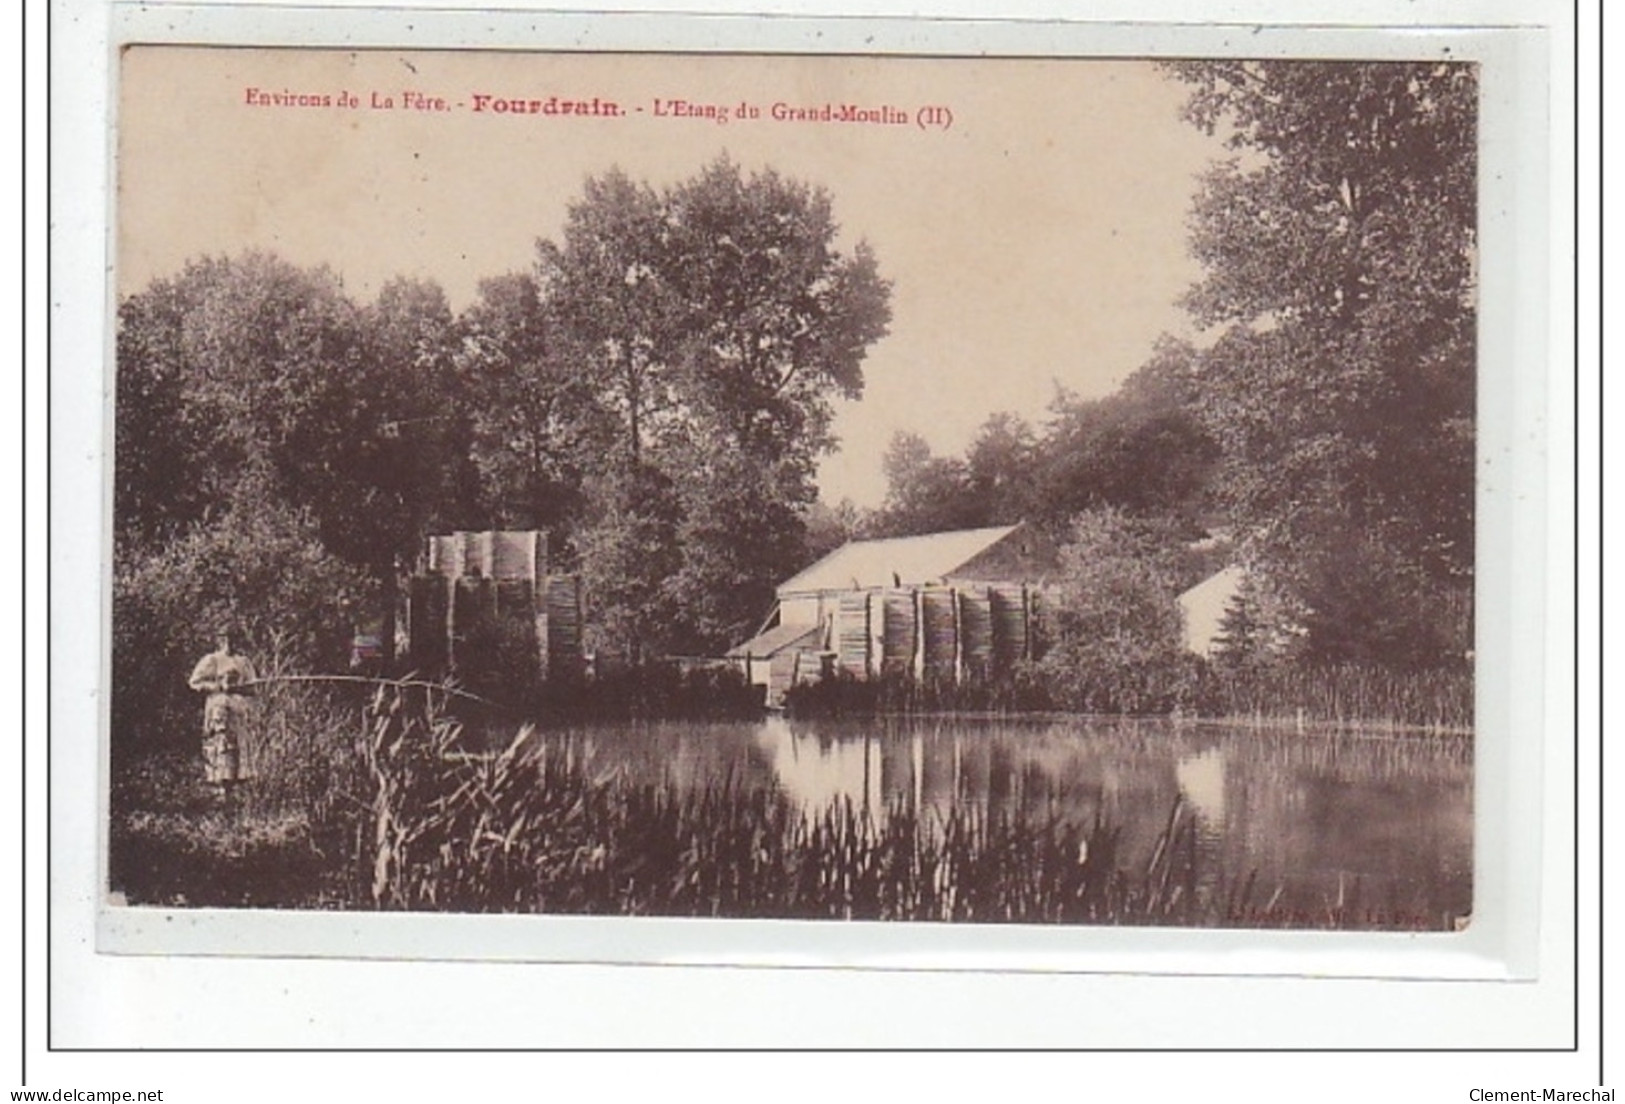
x=1341 y=263
x=654 y=393
x=1143 y=450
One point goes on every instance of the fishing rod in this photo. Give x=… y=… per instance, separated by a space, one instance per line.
x=370 y=681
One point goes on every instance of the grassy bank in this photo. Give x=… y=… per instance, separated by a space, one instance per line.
x=1437 y=700
x=1440 y=700
x=286 y=839
x=400 y=813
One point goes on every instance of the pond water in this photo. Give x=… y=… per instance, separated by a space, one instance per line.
x=1313 y=817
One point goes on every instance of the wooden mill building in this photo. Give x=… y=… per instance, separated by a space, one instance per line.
x=943 y=606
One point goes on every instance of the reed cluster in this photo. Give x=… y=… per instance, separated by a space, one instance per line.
x=408 y=810
x=286 y=838
x=1438 y=699
x=527 y=829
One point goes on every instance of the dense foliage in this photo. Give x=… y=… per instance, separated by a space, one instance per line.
x=654 y=395
x=263 y=574
x=714 y=321
x=1144 y=450
x=1340 y=257
x=1113 y=622
x=1325 y=422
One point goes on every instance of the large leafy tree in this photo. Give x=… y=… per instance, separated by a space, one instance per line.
x=1339 y=250
x=536 y=424
x=263 y=572
x=719 y=313
x=925 y=493
x=657 y=392
x=255 y=476
x=413 y=472
x=1142 y=449
x=241 y=382
x=421 y=477
x=774 y=321
x=1000 y=470
x=629 y=553
x=160 y=485
x=248 y=387
x=741 y=533
x=608 y=286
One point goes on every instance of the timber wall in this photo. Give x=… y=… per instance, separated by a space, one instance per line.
x=484 y=607
x=945 y=634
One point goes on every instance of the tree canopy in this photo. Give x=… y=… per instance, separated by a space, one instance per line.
x=715 y=320
x=655 y=394
x=1143 y=450
x=1113 y=620
x=1339 y=252
x=1326 y=415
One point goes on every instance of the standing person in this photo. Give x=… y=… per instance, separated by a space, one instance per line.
x=225 y=679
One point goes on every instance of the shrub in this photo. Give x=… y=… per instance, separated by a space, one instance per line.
x=1113 y=620
x=261 y=572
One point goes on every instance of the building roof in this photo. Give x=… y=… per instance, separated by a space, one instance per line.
x=766 y=645
x=898 y=561
x=1205 y=604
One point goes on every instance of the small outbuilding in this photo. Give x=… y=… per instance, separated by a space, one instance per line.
x=948 y=606
x=1204 y=606
x=761 y=648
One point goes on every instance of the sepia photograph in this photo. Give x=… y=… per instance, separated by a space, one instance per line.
x=971 y=490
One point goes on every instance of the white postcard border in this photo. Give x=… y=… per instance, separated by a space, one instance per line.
x=1513 y=800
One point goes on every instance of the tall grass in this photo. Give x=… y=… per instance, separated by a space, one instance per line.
x=1440 y=699
x=286 y=837
x=396 y=806
x=526 y=829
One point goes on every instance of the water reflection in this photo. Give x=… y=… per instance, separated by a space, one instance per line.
x=1200 y=778
x=1310 y=817
x=817 y=772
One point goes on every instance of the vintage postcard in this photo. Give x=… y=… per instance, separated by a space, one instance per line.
x=957 y=491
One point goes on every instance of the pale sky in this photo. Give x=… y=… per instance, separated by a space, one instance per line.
x=1038 y=239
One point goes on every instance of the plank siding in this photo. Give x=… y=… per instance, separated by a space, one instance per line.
x=852 y=634
x=899 y=632
x=976 y=632
x=939 y=631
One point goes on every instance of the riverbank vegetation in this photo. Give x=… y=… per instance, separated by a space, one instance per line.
x=655 y=394
x=408 y=810
x=1371 y=698
x=652 y=393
